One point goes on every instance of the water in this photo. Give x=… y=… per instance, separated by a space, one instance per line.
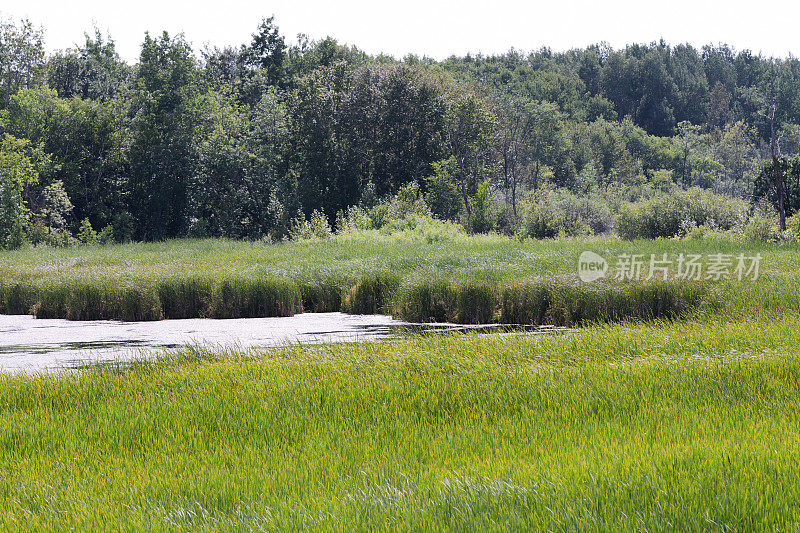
x=30 y=345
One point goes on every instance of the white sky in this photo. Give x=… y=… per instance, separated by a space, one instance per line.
x=427 y=27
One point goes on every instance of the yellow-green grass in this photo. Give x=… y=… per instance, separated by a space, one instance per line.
x=465 y=279
x=662 y=426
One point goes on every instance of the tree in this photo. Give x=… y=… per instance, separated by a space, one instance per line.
x=468 y=126
x=764 y=101
x=545 y=138
x=719 y=108
x=80 y=137
x=763 y=185
x=267 y=51
x=238 y=189
x=442 y=194
x=162 y=119
x=21 y=57
x=17 y=172
x=513 y=133
x=93 y=71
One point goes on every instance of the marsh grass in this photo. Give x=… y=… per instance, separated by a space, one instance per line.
x=237 y=298
x=661 y=426
x=464 y=279
x=557 y=302
x=83 y=301
x=371 y=294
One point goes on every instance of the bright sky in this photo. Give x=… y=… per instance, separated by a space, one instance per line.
x=428 y=27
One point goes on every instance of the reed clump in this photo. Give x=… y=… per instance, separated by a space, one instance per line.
x=98 y=302
x=371 y=294
x=254 y=298
x=546 y=302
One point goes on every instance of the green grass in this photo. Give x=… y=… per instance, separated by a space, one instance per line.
x=464 y=279
x=675 y=407
x=665 y=426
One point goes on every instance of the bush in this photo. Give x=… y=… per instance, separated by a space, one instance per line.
x=87 y=234
x=549 y=213
x=442 y=194
x=762 y=228
x=314 y=227
x=540 y=219
x=670 y=215
x=354 y=218
x=407 y=202
x=481 y=205
x=793 y=227
x=13 y=215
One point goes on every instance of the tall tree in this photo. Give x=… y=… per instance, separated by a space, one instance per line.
x=161 y=128
x=21 y=57
x=769 y=116
x=468 y=127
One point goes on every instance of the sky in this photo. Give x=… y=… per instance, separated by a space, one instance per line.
x=433 y=28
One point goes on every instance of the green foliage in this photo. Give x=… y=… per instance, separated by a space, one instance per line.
x=86 y=234
x=762 y=228
x=160 y=127
x=408 y=202
x=371 y=294
x=482 y=217
x=55 y=208
x=13 y=215
x=17 y=173
x=441 y=190
x=552 y=212
x=314 y=227
x=236 y=143
x=667 y=215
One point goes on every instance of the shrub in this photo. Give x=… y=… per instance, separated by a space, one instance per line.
x=407 y=202
x=442 y=195
x=793 y=227
x=354 y=218
x=669 y=215
x=315 y=226
x=762 y=228
x=13 y=215
x=106 y=235
x=549 y=213
x=424 y=229
x=540 y=219
x=55 y=208
x=481 y=207
x=86 y=234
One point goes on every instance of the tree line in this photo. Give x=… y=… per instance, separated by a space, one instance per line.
x=241 y=142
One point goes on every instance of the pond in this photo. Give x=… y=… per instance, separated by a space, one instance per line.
x=30 y=345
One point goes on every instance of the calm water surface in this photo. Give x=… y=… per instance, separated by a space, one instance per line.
x=31 y=345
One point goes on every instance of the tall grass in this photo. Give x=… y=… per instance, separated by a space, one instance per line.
x=678 y=426
x=372 y=294
x=462 y=279
x=559 y=302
